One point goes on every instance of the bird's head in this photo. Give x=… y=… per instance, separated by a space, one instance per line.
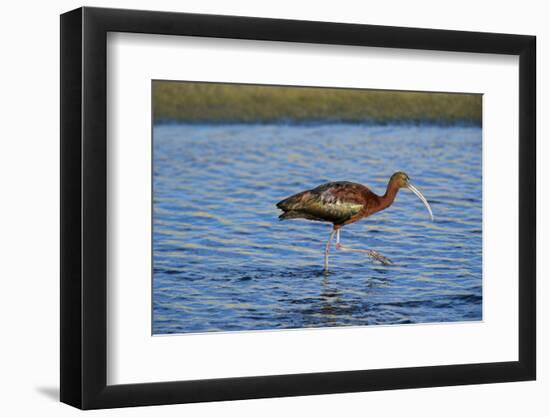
x=402 y=180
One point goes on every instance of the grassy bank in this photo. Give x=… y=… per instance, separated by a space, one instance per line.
x=223 y=103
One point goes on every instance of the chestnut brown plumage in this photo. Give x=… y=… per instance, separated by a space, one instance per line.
x=342 y=203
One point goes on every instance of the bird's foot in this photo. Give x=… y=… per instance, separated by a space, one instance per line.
x=378 y=257
x=371 y=253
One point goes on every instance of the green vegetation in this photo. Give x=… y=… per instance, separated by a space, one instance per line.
x=221 y=103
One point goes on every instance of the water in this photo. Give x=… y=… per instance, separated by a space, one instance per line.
x=224 y=262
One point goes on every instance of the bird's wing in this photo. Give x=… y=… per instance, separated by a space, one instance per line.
x=335 y=202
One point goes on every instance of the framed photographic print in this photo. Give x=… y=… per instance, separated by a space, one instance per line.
x=258 y=207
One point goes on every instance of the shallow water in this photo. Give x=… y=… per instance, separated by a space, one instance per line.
x=224 y=262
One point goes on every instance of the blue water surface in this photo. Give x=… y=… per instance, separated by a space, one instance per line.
x=222 y=261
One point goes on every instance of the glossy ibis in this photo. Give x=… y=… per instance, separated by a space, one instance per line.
x=342 y=203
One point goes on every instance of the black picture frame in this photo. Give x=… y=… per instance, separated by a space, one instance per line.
x=84 y=207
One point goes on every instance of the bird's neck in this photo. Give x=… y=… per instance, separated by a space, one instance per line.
x=391 y=192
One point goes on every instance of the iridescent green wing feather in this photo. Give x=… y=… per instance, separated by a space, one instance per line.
x=334 y=202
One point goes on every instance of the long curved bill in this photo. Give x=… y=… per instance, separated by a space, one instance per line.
x=422 y=198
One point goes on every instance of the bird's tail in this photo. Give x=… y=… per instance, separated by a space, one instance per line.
x=289 y=215
x=292 y=208
x=283 y=204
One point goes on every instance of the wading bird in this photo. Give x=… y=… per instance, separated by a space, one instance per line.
x=342 y=203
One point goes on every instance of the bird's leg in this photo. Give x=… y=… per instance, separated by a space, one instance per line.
x=372 y=253
x=327 y=248
x=339 y=246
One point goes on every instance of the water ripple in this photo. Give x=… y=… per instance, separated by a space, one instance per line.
x=224 y=262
